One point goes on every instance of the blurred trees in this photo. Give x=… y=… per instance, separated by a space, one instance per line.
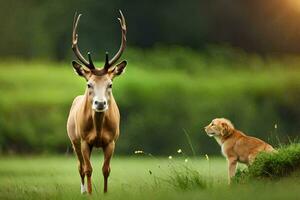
x=40 y=29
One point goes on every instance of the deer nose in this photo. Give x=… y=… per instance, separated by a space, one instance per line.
x=100 y=104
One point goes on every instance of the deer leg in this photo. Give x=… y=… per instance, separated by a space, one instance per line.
x=77 y=149
x=108 y=151
x=86 y=150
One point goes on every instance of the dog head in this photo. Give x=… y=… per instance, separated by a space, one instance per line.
x=219 y=127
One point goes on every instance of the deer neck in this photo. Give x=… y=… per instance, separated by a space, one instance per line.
x=96 y=119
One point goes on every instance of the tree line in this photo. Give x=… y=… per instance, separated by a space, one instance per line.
x=41 y=29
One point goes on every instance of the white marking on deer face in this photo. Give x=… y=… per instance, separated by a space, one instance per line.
x=99 y=90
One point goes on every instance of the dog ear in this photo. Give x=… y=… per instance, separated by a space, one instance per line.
x=225 y=129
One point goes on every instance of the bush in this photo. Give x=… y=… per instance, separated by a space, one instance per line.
x=273 y=165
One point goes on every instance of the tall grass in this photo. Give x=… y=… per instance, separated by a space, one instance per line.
x=181 y=172
x=187 y=178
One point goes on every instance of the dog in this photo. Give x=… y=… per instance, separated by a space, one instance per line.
x=236 y=146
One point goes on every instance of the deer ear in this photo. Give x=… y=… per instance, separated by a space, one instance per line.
x=225 y=129
x=119 y=68
x=79 y=69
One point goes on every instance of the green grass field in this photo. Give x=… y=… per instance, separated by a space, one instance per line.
x=56 y=177
x=250 y=97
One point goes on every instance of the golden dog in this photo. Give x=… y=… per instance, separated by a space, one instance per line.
x=236 y=146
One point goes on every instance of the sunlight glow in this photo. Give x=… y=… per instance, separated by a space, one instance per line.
x=294 y=4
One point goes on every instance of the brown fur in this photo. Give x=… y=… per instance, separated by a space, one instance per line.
x=236 y=146
x=88 y=129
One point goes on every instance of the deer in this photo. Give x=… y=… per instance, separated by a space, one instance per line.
x=94 y=117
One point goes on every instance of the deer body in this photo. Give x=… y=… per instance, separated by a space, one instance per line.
x=98 y=129
x=94 y=117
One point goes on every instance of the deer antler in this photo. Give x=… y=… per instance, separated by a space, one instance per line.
x=111 y=62
x=89 y=64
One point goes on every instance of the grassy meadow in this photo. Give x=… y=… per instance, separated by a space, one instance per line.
x=56 y=177
x=165 y=99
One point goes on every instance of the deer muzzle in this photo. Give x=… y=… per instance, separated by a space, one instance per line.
x=100 y=105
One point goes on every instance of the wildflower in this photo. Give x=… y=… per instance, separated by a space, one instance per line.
x=170 y=157
x=138 y=152
x=186 y=160
x=275 y=126
x=206 y=156
x=179 y=151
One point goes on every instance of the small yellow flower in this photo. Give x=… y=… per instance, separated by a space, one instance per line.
x=186 y=160
x=170 y=157
x=206 y=156
x=179 y=151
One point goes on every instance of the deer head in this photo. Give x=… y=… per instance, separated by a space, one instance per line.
x=99 y=80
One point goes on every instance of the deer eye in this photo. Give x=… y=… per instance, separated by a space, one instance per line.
x=110 y=85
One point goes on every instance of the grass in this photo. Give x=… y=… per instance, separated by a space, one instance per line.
x=187 y=178
x=135 y=177
x=49 y=177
